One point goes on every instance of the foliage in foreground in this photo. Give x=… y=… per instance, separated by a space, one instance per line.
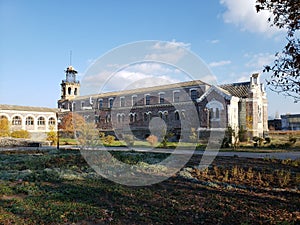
x=286 y=68
x=58 y=187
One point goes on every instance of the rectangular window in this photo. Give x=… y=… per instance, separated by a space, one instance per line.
x=194 y=95
x=176 y=96
x=82 y=105
x=100 y=103
x=161 y=98
x=134 y=100
x=111 y=102
x=147 y=100
x=122 y=102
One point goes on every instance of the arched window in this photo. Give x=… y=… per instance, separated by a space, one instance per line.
x=135 y=117
x=176 y=115
x=183 y=114
x=160 y=114
x=123 y=118
x=75 y=91
x=166 y=114
x=3 y=118
x=16 y=120
x=119 y=118
x=149 y=114
x=29 y=121
x=51 y=121
x=69 y=91
x=131 y=117
x=41 y=121
x=145 y=117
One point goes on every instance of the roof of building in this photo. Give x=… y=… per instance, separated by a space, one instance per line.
x=27 y=108
x=240 y=90
x=146 y=89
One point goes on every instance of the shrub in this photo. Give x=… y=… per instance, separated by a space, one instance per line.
x=292 y=139
x=194 y=136
x=152 y=139
x=267 y=140
x=257 y=141
x=109 y=139
x=242 y=134
x=129 y=139
x=20 y=134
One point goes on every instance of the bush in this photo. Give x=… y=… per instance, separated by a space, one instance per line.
x=292 y=139
x=129 y=139
x=267 y=140
x=20 y=134
x=109 y=139
x=242 y=134
x=152 y=139
x=258 y=141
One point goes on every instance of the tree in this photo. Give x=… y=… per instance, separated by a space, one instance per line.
x=4 y=127
x=52 y=136
x=285 y=70
x=71 y=123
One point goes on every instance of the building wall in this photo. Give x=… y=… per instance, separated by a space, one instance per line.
x=42 y=123
x=132 y=110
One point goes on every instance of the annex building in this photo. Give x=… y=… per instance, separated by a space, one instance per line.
x=238 y=105
x=38 y=121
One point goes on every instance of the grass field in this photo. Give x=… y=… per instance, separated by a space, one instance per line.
x=58 y=187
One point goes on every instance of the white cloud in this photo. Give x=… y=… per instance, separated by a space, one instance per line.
x=170 y=52
x=243 y=14
x=138 y=75
x=219 y=63
x=215 y=41
x=258 y=61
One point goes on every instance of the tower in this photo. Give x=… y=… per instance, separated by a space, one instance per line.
x=70 y=88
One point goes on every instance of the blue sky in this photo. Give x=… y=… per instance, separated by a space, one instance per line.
x=37 y=36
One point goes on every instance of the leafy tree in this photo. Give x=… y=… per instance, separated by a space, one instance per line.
x=52 y=136
x=285 y=76
x=71 y=123
x=4 y=127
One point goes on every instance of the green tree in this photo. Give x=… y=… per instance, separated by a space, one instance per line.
x=4 y=127
x=285 y=70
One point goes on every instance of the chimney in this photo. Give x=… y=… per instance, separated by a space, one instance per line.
x=254 y=79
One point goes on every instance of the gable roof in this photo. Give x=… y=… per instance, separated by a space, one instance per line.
x=26 y=108
x=240 y=90
x=226 y=94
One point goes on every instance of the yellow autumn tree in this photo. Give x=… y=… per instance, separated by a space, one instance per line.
x=4 y=127
x=71 y=123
